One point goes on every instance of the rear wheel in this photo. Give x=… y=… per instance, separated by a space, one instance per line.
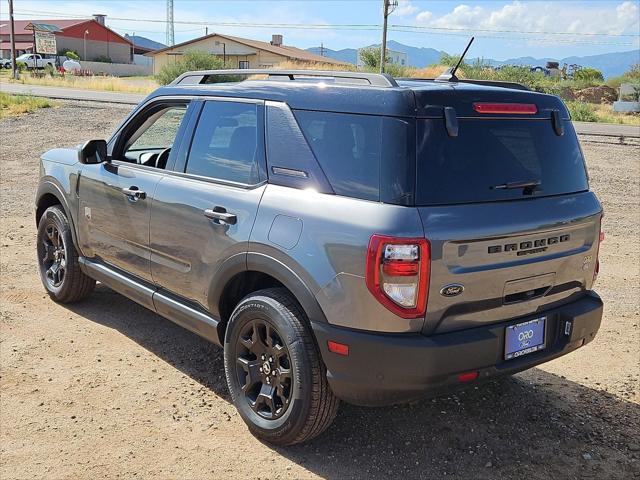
x=274 y=372
x=58 y=260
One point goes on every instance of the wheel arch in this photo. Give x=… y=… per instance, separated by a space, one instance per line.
x=242 y=274
x=48 y=195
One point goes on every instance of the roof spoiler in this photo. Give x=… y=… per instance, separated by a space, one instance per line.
x=371 y=79
x=489 y=83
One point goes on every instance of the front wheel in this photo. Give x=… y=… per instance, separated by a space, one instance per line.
x=274 y=372
x=58 y=259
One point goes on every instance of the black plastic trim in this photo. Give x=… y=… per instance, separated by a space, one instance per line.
x=384 y=369
x=263 y=263
x=51 y=188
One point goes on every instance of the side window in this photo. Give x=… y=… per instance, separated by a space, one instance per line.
x=348 y=150
x=158 y=131
x=225 y=143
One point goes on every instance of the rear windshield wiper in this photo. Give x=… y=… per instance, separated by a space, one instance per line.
x=528 y=186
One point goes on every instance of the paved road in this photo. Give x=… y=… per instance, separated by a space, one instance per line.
x=582 y=128
x=607 y=129
x=72 y=93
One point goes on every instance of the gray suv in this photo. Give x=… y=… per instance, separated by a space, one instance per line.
x=342 y=235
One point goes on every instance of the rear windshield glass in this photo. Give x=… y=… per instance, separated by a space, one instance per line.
x=496 y=153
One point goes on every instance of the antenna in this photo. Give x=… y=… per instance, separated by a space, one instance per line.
x=450 y=74
x=170 y=29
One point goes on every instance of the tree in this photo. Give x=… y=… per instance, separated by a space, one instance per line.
x=589 y=74
x=370 y=58
x=450 y=60
x=190 y=61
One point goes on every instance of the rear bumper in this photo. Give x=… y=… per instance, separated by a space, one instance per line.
x=383 y=369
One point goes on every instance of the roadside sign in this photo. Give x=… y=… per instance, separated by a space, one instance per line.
x=45 y=43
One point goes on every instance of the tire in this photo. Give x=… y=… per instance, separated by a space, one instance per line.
x=302 y=404
x=58 y=259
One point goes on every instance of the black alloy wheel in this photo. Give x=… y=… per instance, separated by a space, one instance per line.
x=58 y=259
x=264 y=369
x=53 y=260
x=274 y=370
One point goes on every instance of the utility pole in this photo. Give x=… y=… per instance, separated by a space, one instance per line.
x=14 y=66
x=170 y=28
x=388 y=6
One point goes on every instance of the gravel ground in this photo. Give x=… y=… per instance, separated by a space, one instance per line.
x=107 y=389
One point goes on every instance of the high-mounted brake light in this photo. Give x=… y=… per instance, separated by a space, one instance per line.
x=397 y=273
x=506 y=108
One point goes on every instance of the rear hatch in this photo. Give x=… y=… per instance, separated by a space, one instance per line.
x=513 y=227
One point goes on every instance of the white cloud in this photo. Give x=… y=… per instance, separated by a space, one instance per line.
x=405 y=8
x=548 y=16
x=424 y=17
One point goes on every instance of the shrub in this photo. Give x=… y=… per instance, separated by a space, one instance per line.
x=21 y=66
x=632 y=76
x=191 y=60
x=582 y=112
x=49 y=70
x=589 y=74
x=103 y=59
x=71 y=55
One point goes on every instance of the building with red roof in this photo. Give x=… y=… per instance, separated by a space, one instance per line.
x=90 y=38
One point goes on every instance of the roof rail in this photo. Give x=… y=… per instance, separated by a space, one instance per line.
x=372 y=79
x=489 y=83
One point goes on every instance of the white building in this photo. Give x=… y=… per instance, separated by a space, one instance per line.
x=394 y=57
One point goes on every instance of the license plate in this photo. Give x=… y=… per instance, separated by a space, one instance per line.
x=524 y=338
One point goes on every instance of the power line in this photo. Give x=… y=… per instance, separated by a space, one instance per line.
x=352 y=25
x=375 y=27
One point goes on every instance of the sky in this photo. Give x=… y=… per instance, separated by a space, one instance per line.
x=503 y=30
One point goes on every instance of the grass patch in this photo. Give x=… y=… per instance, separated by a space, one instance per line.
x=587 y=112
x=141 y=85
x=12 y=105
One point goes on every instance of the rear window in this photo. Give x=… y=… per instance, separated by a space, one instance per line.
x=491 y=153
x=363 y=156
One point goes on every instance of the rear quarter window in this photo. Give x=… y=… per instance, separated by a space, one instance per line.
x=363 y=156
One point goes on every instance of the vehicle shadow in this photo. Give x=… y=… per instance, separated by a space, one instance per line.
x=534 y=425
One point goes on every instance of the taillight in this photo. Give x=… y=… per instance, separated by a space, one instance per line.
x=506 y=108
x=397 y=273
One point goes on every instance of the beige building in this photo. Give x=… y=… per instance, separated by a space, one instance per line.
x=239 y=52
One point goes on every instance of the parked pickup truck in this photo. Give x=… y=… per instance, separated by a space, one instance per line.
x=343 y=235
x=35 y=60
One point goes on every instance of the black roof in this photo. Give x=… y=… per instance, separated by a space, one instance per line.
x=402 y=97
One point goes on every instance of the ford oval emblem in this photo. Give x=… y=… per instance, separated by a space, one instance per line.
x=452 y=290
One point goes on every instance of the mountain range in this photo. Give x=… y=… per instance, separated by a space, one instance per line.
x=610 y=64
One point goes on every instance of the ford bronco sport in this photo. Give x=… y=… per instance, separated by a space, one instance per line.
x=342 y=235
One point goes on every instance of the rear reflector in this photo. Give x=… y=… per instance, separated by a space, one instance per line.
x=506 y=108
x=468 y=376
x=339 y=348
x=400 y=269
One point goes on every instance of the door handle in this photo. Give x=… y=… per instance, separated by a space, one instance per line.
x=221 y=214
x=134 y=193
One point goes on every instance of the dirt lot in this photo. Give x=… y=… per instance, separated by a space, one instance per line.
x=106 y=388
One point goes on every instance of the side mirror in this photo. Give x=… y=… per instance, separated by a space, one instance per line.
x=93 y=151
